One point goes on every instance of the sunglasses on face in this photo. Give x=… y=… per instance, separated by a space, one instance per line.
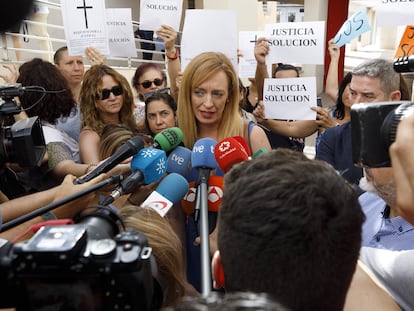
x=147 y=84
x=116 y=90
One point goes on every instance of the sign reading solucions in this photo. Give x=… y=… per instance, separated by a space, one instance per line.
x=290 y=99
x=296 y=42
x=85 y=25
x=394 y=12
x=354 y=26
x=154 y=13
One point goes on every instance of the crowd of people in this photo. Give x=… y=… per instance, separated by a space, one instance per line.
x=292 y=233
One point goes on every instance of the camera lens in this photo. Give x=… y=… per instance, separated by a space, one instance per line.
x=390 y=124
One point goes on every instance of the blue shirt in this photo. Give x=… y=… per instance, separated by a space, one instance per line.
x=380 y=231
x=335 y=147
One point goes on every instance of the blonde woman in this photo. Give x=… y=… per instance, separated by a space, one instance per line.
x=208 y=103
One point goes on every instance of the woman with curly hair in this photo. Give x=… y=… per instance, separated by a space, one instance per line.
x=54 y=101
x=105 y=98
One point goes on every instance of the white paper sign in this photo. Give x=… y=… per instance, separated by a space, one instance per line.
x=302 y=42
x=394 y=13
x=158 y=203
x=200 y=34
x=85 y=25
x=290 y=99
x=153 y=13
x=247 y=62
x=120 y=33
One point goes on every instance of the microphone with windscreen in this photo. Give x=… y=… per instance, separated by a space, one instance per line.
x=168 y=193
x=130 y=148
x=228 y=152
x=179 y=161
x=203 y=161
x=214 y=195
x=168 y=139
x=148 y=166
x=243 y=142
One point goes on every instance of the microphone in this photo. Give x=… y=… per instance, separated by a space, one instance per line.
x=214 y=195
x=243 y=142
x=179 y=161
x=202 y=159
x=168 y=139
x=404 y=64
x=229 y=152
x=168 y=193
x=127 y=150
x=259 y=152
x=148 y=166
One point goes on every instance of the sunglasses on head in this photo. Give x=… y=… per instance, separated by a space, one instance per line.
x=116 y=90
x=147 y=84
x=161 y=91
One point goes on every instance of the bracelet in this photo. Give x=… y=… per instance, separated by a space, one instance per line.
x=174 y=57
x=88 y=167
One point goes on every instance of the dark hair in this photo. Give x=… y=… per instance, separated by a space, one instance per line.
x=237 y=301
x=243 y=100
x=285 y=234
x=143 y=68
x=58 y=54
x=339 y=112
x=282 y=67
x=38 y=72
x=166 y=98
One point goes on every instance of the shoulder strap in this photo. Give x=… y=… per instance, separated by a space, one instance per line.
x=248 y=127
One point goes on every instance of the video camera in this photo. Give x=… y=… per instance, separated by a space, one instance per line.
x=80 y=267
x=22 y=142
x=374 y=127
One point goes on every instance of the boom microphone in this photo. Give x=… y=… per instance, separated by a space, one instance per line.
x=179 y=161
x=168 y=193
x=148 y=166
x=168 y=139
x=127 y=150
x=229 y=152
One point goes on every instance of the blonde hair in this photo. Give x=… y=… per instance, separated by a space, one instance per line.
x=91 y=91
x=201 y=68
x=165 y=245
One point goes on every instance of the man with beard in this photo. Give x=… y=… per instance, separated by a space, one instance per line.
x=387 y=240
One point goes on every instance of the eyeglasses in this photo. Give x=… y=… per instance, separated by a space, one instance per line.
x=162 y=91
x=116 y=90
x=147 y=84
